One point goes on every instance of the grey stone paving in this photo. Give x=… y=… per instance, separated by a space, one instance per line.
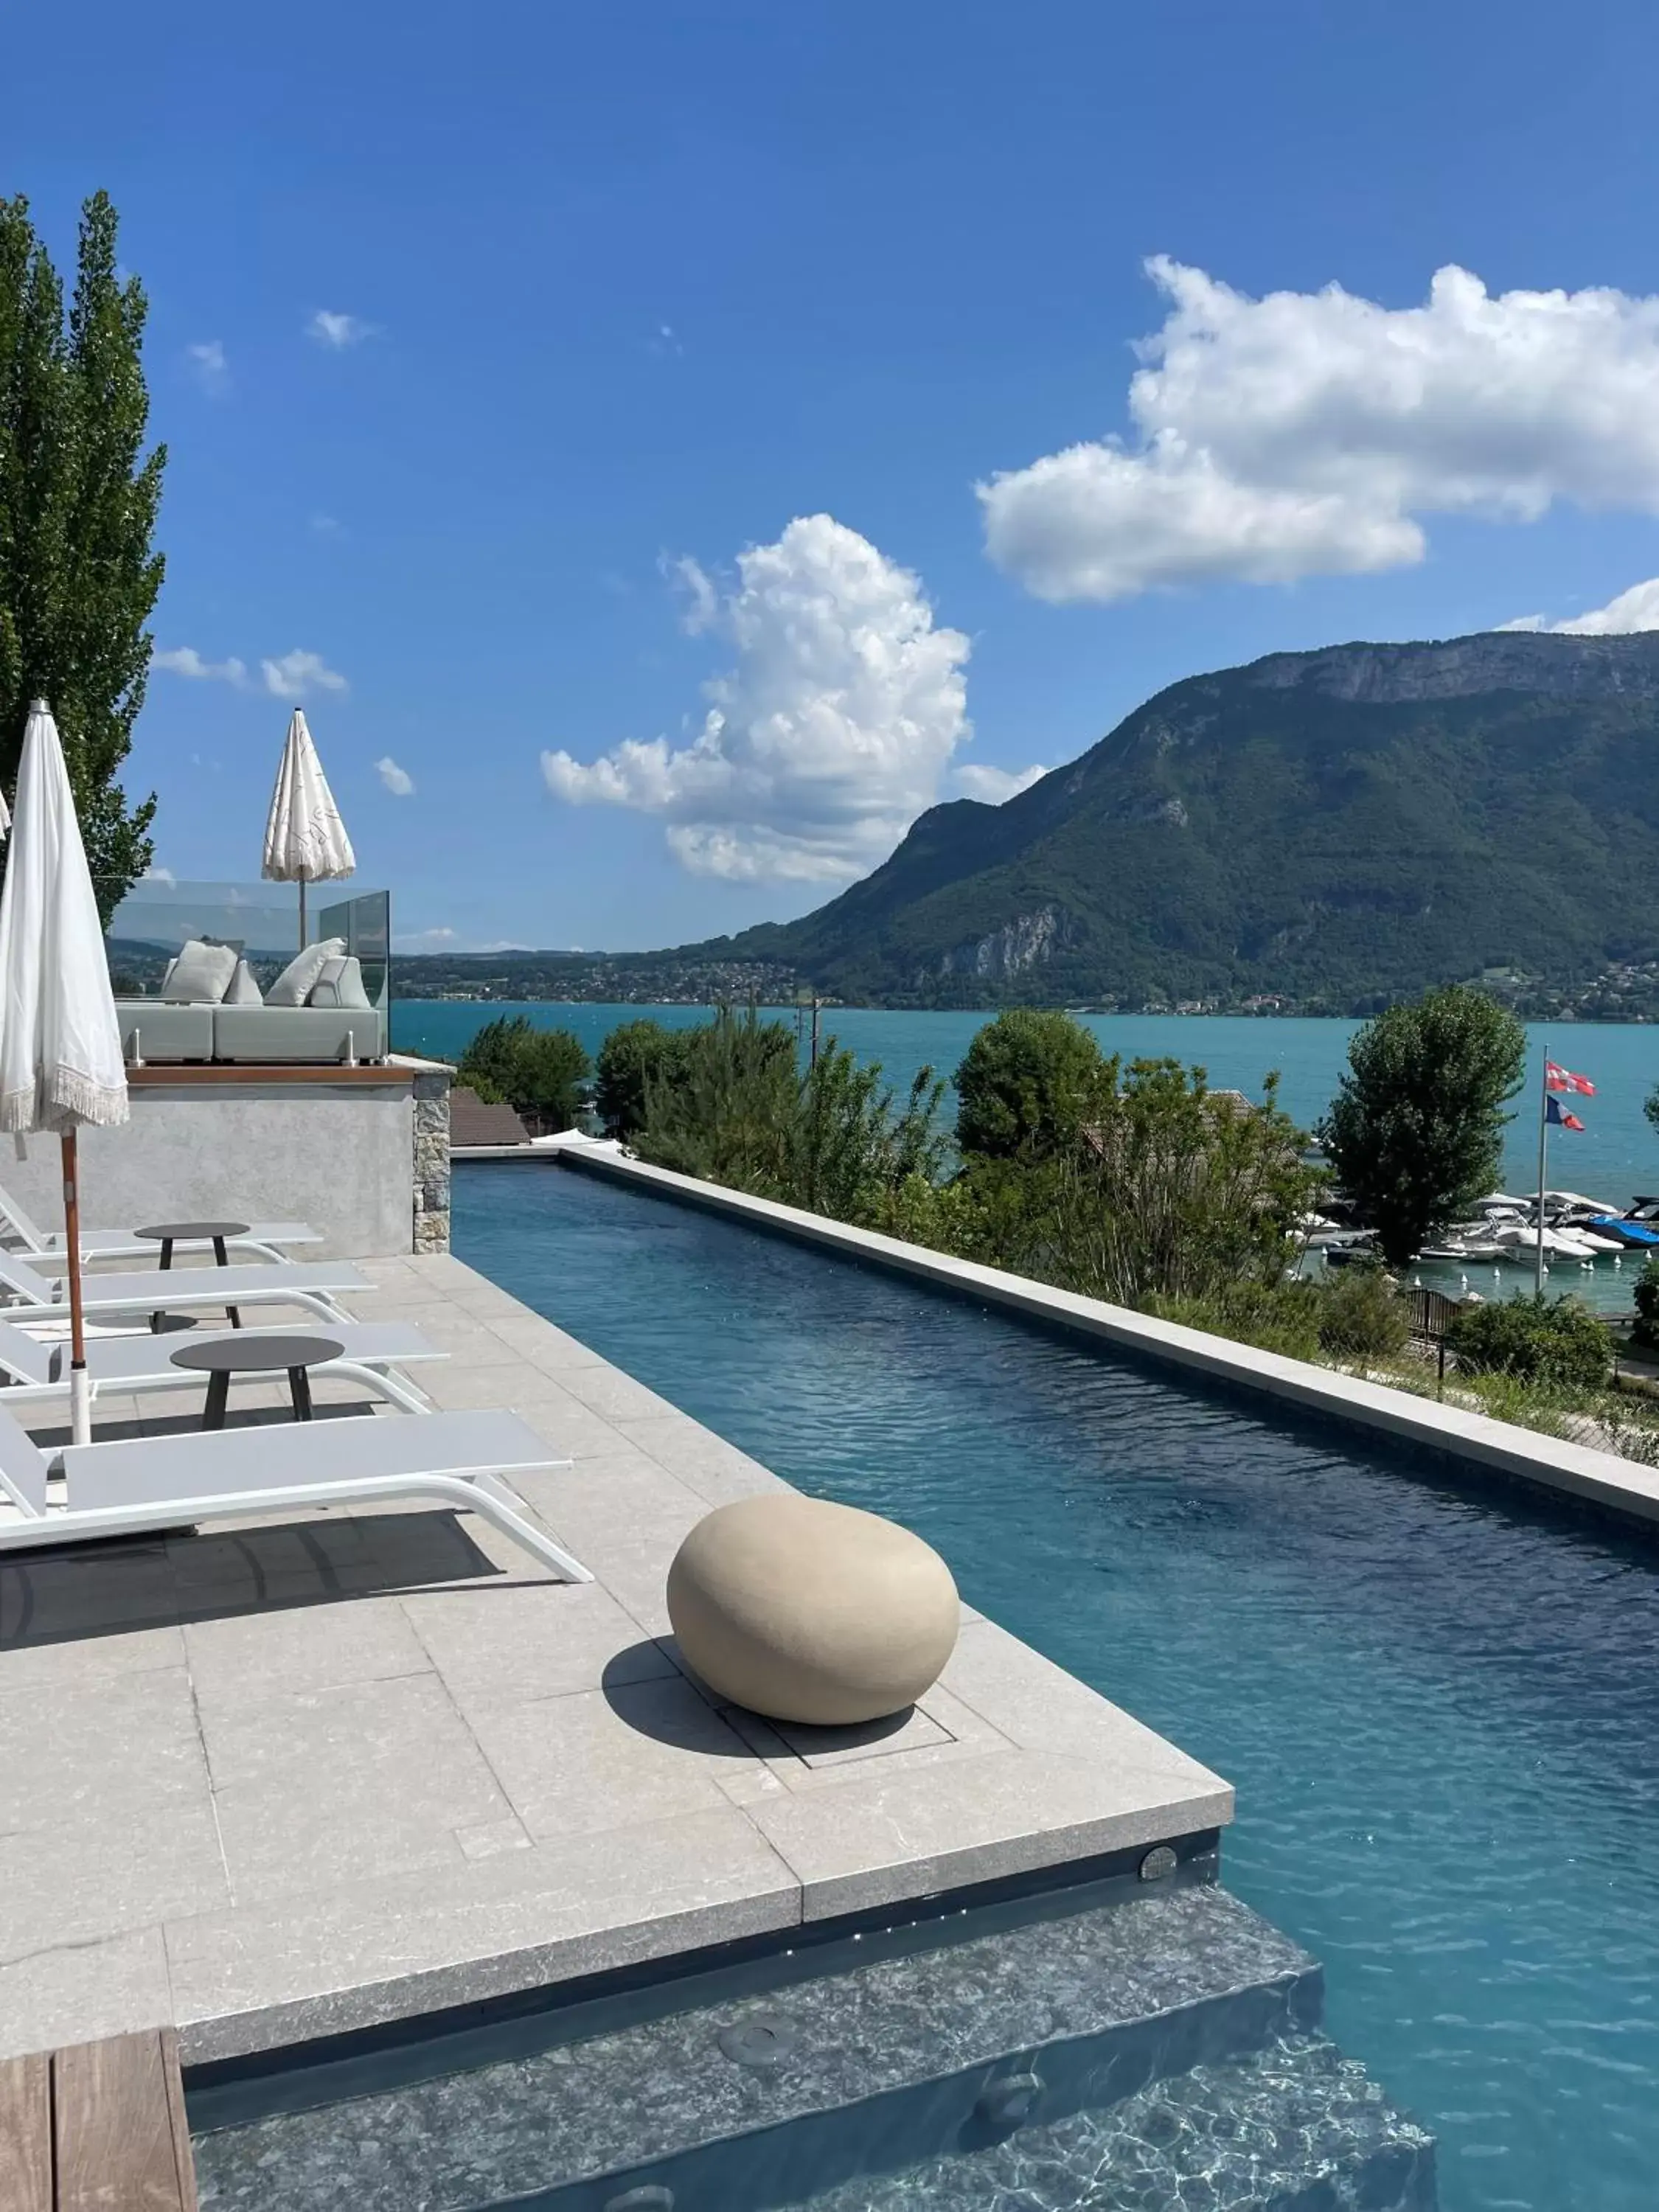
x=295 y=1776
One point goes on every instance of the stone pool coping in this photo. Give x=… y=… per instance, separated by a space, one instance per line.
x=309 y=1776
x=1601 y=1477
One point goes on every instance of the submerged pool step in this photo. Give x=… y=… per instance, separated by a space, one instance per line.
x=758 y=2103
x=1296 y=2128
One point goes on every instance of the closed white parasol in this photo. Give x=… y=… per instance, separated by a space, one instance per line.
x=60 y=1044
x=306 y=840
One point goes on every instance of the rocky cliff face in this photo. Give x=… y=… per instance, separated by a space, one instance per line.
x=1018 y=946
x=1541 y=663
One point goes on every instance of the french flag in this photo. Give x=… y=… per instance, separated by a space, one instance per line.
x=1557 y=1116
x=1556 y=1078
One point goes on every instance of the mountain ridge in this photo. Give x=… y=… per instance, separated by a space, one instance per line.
x=1358 y=820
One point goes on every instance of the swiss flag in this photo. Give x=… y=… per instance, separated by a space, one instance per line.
x=1556 y=1078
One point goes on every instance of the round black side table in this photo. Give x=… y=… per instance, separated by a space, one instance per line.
x=255 y=1354
x=169 y=1233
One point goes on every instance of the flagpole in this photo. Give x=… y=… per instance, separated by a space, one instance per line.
x=1543 y=1143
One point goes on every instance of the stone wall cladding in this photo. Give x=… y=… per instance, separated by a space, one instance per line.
x=431 y=1232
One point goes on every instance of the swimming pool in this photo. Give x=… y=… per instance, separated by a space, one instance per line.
x=1438 y=1701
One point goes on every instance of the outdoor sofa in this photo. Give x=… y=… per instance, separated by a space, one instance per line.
x=211 y=1008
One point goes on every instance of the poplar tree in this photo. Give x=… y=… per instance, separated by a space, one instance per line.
x=78 y=500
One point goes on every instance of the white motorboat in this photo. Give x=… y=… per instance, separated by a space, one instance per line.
x=1520 y=1242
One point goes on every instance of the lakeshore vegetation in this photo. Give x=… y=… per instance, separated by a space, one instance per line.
x=1138 y=1183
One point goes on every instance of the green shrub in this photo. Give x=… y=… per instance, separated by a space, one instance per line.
x=538 y=1073
x=1026 y=1085
x=1646 y=1330
x=633 y=1057
x=1563 y=1347
x=1362 y=1315
x=1282 y=1317
x=730 y=1105
x=1171 y=1191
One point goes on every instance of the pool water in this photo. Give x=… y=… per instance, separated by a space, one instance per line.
x=1439 y=1701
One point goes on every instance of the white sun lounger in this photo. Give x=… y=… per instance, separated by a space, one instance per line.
x=267 y=1238
x=316 y=1284
x=126 y=1488
x=39 y=1373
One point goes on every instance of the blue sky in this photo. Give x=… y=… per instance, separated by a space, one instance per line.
x=663 y=347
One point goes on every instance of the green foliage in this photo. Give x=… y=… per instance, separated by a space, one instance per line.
x=731 y=1106
x=1362 y=1315
x=1173 y=1192
x=849 y=1150
x=634 y=1055
x=1415 y=1134
x=78 y=501
x=1646 y=1330
x=720 y=1109
x=1356 y=1315
x=1282 y=1317
x=538 y=1073
x=1027 y=1085
x=1563 y=1347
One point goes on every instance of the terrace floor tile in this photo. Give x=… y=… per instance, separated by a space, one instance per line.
x=611 y=1758
x=539 y=1639
x=360 y=1764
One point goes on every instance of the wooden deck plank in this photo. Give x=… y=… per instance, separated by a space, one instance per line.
x=26 y=2134
x=116 y=2121
x=175 y=2081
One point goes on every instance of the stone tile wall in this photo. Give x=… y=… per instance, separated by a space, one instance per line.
x=431 y=1232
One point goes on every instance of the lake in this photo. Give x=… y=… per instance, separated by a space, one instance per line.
x=1616 y=1157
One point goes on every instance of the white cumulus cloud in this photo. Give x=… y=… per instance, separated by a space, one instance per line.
x=298 y=673
x=980 y=780
x=1636 y=609
x=826 y=738
x=184 y=660
x=330 y=328
x=209 y=367
x=398 y=781
x=1311 y=433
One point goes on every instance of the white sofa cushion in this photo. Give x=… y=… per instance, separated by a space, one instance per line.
x=294 y=986
x=243 y=990
x=340 y=984
x=201 y=975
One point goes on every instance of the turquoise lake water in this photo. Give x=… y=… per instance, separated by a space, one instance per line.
x=1616 y=1157
x=1435 y=1698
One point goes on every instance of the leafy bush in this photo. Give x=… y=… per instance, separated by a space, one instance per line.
x=1362 y=1315
x=1282 y=1317
x=540 y=1073
x=633 y=1056
x=1563 y=1346
x=719 y=1108
x=1026 y=1085
x=730 y=1106
x=1646 y=1330
x=1171 y=1192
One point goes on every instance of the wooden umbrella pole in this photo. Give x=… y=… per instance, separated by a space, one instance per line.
x=79 y=1408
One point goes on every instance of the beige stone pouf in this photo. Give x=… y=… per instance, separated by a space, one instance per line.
x=811 y=1611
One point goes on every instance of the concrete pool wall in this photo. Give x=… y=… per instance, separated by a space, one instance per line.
x=1598 y=1478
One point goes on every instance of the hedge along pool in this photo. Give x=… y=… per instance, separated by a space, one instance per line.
x=1437 y=1700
